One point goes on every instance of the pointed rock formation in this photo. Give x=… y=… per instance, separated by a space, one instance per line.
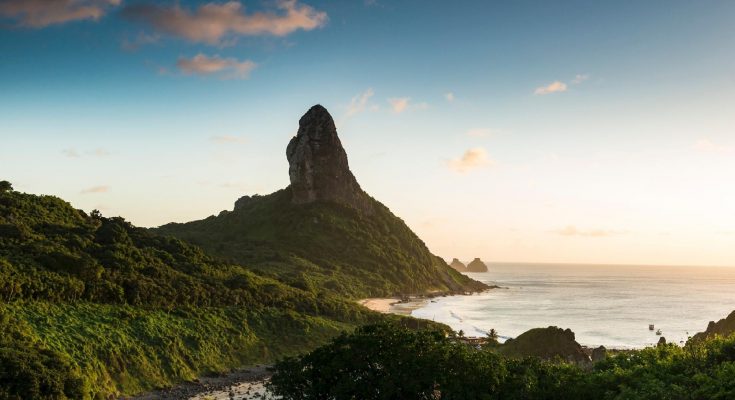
x=456 y=264
x=476 y=266
x=317 y=164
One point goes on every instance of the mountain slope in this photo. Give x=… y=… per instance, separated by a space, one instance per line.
x=95 y=306
x=324 y=231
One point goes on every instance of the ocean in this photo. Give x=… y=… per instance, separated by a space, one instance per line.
x=609 y=305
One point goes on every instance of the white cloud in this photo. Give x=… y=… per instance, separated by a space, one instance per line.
x=571 y=230
x=399 y=104
x=227 y=68
x=43 y=13
x=579 y=78
x=471 y=159
x=212 y=23
x=73 y=153
x=449 y=96
x=480 y=132
x=707 y=146
x=96 y=189
x=359 y=103
x=228 y=139
x=552 y=87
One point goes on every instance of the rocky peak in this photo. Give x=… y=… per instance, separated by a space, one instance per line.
x=317 y=164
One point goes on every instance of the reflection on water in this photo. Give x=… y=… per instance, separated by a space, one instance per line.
x=603 y=305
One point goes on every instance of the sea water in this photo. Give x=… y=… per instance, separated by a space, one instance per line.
x=608 y=305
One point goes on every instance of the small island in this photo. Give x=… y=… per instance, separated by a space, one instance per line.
x=458 y=265
x=476 y=266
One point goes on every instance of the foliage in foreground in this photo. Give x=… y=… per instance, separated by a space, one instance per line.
x=91 y=306
x=386 y=361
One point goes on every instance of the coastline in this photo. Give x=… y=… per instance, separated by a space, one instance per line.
x=394 y=305
x=245 y=384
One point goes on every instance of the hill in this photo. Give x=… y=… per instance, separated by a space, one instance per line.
x=724 y=327
x=323 y=230
x=93 y=306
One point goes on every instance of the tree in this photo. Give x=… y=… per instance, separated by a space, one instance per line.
x=5 y=186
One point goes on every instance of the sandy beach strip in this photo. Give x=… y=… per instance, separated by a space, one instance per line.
x=381 y=305
x=393 y=305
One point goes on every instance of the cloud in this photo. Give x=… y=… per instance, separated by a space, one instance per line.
x=579 y=78
x=399 y=104
x=552 y=87
x=228 y=68
x=96 y=189
x=141 y=40
x=449 y=96
x=73 y=153
x=480 y=132
x=571 y=230
x=358 y=103
x=228 y=139
x=42 y=13
x=707 y=146
x=471 y=159
x=212 y=22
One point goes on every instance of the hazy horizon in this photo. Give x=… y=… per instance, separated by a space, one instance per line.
x=494 y=130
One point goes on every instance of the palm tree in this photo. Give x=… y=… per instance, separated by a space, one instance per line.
x=460 y=333
x=493 y=335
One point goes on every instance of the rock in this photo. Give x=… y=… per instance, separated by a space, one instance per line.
x=661 y=341
x=724 y=327
x=476 y=266
x=456 y=264
x=599 y=354
x=317 y=164
x=546 y=343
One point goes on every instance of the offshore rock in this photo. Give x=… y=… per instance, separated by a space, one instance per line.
x=317 y=164
x=457 y=265
x=476 y=266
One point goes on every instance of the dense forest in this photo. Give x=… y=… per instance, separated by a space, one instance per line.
x=387 y=361
x=94 y=305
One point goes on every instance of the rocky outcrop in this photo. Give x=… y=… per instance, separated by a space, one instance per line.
x=723 y=327
x=599 y=354
x=317 y=164
x=547 y=343
x=476 y=266
x=457 y=265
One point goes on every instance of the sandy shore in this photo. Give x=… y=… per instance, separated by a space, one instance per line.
x=393 y=305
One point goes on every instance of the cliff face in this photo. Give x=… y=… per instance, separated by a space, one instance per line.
x=318 y=167
x=723 y=327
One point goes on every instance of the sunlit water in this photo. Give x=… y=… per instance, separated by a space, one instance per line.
x=603 y=305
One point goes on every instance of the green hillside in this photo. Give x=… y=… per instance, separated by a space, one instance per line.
x=93 y=306
x=324 y=246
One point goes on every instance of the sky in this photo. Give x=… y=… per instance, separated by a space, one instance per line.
x=515 y=131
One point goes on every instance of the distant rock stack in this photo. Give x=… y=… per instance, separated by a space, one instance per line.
x=317 y=164
x=476 y=266
x=456 y=264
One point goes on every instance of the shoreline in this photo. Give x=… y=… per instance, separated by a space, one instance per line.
x=244 y=384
